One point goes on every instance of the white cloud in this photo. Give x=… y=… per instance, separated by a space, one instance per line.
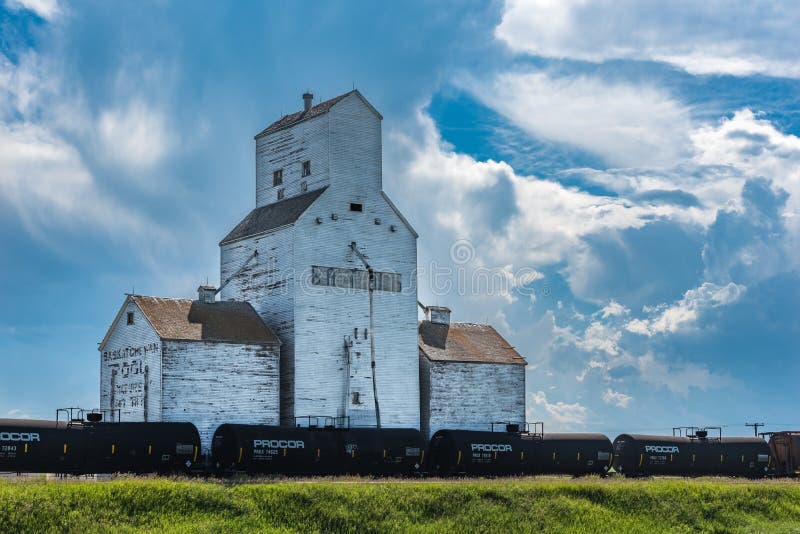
x=47 y=9
x=754 y=147
x=616 y=398
x=733 y=37
x=44 y=179
x=627 y=124
x=552 y=223
x=613 y=309
x=599 y=337
x=548 y=224
x=135 y=134
x=684 y=314
x=593 y=364
x=556 y=218
x=43 y=176
x=560 y=414
x=17 y=414
x=678 y=377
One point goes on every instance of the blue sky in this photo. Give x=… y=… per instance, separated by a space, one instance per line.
x=628 y=173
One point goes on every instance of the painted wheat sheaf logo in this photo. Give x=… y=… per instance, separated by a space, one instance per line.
x=462 y=252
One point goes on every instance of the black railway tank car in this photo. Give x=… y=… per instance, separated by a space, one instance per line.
x=141 y=447
x=261 y=449
x=469 y=452
x=83 y=447
x=37 y=446
x=691 y=455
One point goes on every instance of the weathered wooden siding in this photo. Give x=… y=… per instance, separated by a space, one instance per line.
x=207 y=384
x=287 y=150
x=473 y=395
x=325 y=316
x=267 y=283
x=424 y=395
x=355 y=147
x=131 y=354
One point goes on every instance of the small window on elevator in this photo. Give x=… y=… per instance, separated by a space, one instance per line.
x=130 y=318
x=356 y=207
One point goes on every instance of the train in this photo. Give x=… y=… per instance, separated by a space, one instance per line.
x=84 y=443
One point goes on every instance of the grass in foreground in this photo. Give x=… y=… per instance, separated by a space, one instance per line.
x=560 y=505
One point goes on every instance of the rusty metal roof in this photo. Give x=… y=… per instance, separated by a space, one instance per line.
x=465 y=342
x=185 y=319
x=272 y=216
x=322 y=108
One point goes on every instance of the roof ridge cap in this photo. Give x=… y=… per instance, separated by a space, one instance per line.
x=135 y=296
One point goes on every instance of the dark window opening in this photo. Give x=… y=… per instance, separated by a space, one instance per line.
x=356 y=207
x=306 y=168
x=130 y=317
x=356 y=397
x=277 y=177
x=281 y=193
x=303 y=186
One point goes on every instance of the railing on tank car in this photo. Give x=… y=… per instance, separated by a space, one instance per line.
x=326 y=422
x=693 y=432
x=73 y=416
x=531 y=430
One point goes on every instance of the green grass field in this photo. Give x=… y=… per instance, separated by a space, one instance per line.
x=342 y=505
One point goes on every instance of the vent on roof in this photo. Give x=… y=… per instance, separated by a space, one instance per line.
x=438 y=314
x=308 y=98
x=207 y=294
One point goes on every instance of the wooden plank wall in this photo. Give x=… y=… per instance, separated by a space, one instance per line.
x=470 y=396
x=267 y=283
x=287 y=150
x=207 y=384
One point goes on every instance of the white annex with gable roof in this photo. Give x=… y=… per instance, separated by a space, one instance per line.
x=178 y=360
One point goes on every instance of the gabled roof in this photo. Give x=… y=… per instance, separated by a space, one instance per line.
x=322 y=108
x=273 y=216
x=192 y=320
x=465 y=342
x=399 y=215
